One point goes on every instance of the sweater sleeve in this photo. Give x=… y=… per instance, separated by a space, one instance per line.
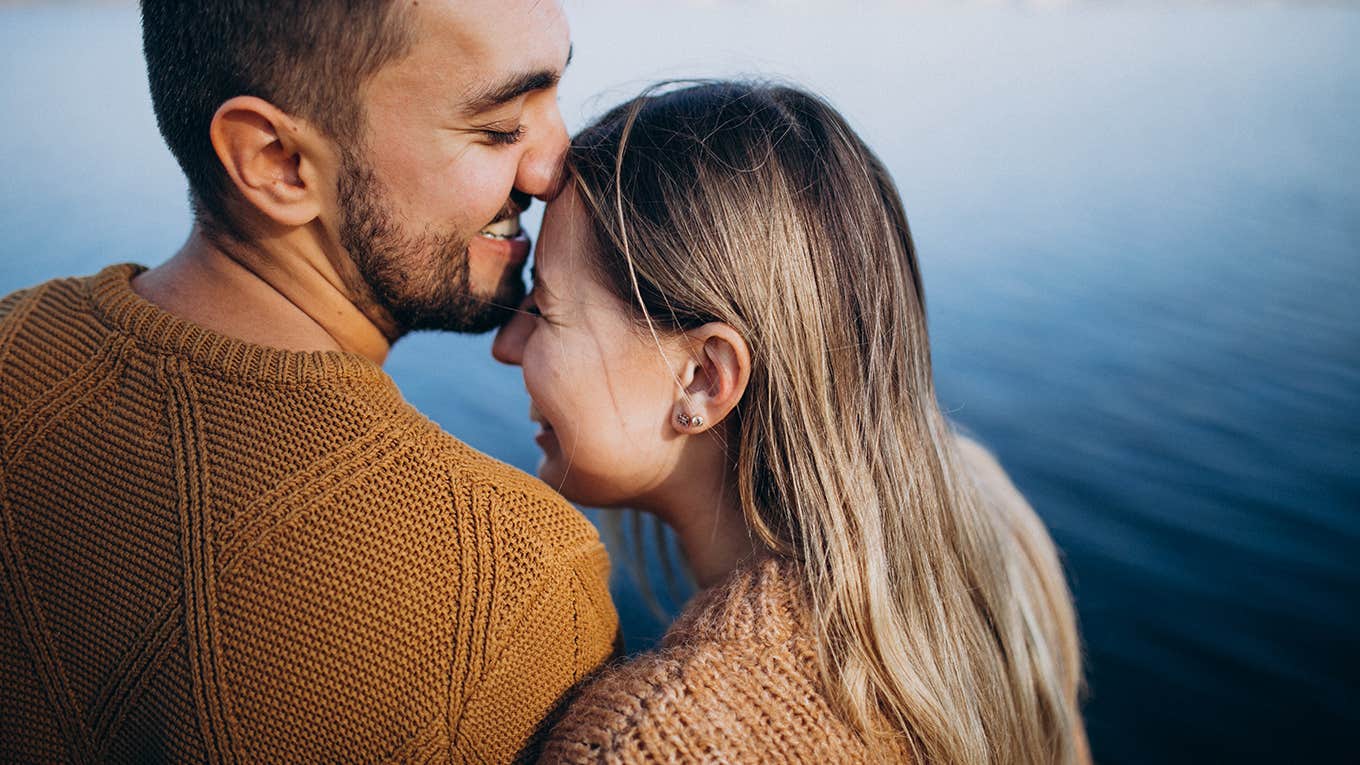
x=551 y=623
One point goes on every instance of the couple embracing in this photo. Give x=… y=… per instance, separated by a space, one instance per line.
x=226 y=537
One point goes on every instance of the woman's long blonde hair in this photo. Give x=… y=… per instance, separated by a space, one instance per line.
x=944 y=625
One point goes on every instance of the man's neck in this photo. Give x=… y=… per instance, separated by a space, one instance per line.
x=282 y=300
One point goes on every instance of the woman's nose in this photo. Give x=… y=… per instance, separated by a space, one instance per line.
x=508 y=347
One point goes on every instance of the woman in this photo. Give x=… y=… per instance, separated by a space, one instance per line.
x=727 y=330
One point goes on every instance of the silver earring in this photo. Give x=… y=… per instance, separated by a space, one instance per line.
x=688 y=421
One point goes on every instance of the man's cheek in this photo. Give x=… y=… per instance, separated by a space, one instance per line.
x=486 y=187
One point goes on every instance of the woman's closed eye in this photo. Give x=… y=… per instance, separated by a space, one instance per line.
x=530 y=307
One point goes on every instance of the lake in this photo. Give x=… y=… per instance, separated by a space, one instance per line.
x=1139 y=226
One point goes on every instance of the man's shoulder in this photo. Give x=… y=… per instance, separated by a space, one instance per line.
x=360 y=448
x=516 y=504
x=52 y=302
x=18 y=297
x=477 y=470
x=69 y=287
x=47 y=333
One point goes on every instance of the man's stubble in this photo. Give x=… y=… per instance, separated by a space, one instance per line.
x=422 y=280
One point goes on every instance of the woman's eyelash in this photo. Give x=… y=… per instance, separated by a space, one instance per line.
x=505 y=137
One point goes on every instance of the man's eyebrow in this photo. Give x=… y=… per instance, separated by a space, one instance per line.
x=514 y=87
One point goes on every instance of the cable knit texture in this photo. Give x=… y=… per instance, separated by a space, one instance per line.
x=213 y=551
x=734 y=681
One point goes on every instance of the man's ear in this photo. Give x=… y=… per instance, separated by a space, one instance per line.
x=714 y=377
x=271 y=158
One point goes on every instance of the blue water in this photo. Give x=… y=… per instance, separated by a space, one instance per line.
x=1140 y=231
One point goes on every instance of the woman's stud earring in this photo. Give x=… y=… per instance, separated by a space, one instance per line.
x=688 y=421
x=696 y=421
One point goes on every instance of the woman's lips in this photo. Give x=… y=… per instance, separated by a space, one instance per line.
x=546 y=436
x=545 y=439
x=545 y=429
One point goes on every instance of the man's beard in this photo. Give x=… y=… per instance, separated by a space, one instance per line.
x=422 y=280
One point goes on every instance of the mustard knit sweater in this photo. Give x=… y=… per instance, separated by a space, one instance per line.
x=734 y=681
x=212 y=551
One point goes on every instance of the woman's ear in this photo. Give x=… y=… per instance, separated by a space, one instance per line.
x=271 y=158
x=714 y=377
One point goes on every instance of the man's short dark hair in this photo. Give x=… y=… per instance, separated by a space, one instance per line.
x=306 y=57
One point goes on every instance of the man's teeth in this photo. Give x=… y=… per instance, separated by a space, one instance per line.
x=503 y=229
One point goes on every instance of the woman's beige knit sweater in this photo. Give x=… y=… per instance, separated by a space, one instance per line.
x=735 y=680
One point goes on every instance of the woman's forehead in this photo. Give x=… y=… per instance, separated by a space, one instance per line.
x=559 y=256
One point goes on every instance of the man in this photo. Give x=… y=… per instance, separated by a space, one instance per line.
x=225 y=535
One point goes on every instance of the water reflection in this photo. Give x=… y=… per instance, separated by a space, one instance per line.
x=1140 y=232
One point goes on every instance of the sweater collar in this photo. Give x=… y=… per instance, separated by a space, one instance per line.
x=762 y=602
x=157 y=330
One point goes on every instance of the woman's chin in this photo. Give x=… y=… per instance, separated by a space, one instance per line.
x=552 y=472
x=576 y=485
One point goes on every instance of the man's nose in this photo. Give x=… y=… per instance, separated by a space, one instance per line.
x=508 y=347
x=540 y=167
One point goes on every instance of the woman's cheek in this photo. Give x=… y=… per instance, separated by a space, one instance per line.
x=537 y=367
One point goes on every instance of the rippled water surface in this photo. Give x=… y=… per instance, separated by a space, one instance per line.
x=1140 y=232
